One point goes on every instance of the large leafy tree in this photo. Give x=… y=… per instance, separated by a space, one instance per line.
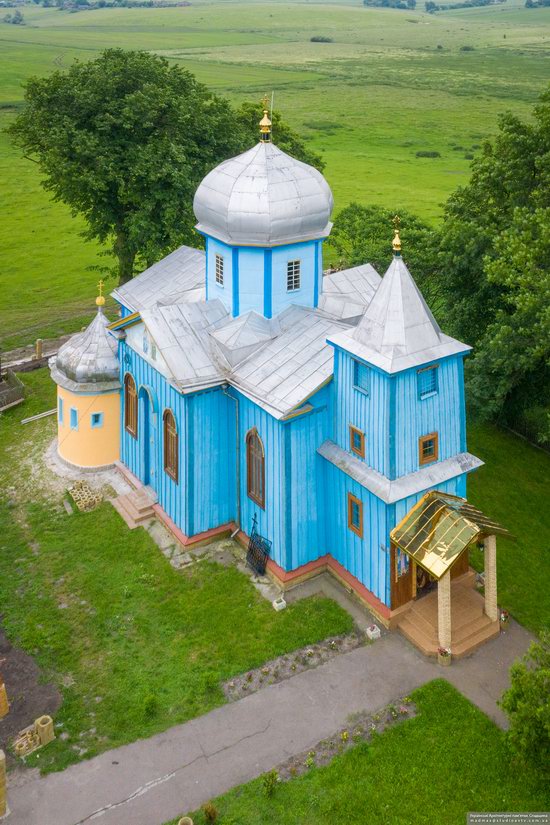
x=124 y=140
x=363 y=234
x=528 y=709
x=495 y=271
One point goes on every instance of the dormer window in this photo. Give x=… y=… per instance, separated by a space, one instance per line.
x=219 y=270
x=292 y=276
x=427 y=380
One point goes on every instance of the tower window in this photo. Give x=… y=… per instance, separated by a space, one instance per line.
x=74 y=419
x=361 y=377
x=427 y=381
x=428 y=448
x=97 y=420
x=219 y=270
x=292 y=276
x=357 y=441
x=170 y=445
x=60 y=411
x=130 y=405
x=255 y=468
x=355 y=515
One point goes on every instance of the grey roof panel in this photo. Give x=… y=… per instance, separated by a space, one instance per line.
x=177 y=278
x=411 y=484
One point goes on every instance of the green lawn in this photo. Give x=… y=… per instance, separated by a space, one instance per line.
x=135 y=646
x=430 y=770
x=368 y=101
x=513 y=489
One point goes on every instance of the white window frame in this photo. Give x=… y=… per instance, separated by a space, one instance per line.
x=219 y=266
x=293 y=275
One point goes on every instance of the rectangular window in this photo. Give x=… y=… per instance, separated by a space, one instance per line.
x=97 y=420
x=428 y=448
x=60 y=411
x=74 y=419
x=219 y=270
x=292 y=276
x=153 y=351
x=355 y=515
x=361 y=376
x=357 y=441
x=427 y=381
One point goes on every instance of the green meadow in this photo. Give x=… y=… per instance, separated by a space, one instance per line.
x=391 y=83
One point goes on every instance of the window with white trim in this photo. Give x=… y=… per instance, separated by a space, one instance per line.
x=292 y=276
x=219 y=270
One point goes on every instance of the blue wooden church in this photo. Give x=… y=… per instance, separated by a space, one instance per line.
x=322 y=407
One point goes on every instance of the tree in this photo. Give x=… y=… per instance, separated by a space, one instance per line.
x=527 y=705
x=495 y=272
x=363 y=234
x=125 y=140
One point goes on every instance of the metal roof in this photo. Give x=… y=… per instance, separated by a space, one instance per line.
x=264 y=197
x=439 y=528
x=88 y=361
x=347 y=292
x=179 y=277
x=400 y=488
x=398 y=330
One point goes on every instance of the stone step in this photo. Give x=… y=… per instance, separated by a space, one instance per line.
x=140 y=502
x=133 y=513
x=427 y=643
x=476 y=639
x=123 y=512
x=470 y=630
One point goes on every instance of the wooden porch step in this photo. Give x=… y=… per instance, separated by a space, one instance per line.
x=425 y=642
x=485 y=631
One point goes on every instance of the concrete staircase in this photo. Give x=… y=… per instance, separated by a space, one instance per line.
x=470 y=627
x=136 y=507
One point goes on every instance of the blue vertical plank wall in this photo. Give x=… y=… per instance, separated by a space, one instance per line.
x=271 y=519
x=171 y=495
x=214 y=290
x=212 y=460
x=366 y=558
x=441 y=413
x=251 y=280
x=305 y=500
x=369 y=412
x=281 y=255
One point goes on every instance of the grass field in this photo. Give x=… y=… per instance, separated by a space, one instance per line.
x=133 y=645
x=448 y=760
x=368 y=101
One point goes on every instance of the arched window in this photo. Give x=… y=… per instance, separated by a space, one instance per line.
x=130 y=405
x=255 y=468
x=170 y=445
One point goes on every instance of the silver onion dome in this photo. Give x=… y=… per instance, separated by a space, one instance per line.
x=262 y=198
x=88 y=361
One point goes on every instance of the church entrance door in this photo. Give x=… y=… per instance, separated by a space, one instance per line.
x=401 y=577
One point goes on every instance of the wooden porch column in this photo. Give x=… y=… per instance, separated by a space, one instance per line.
x=444 y=610
x=490 y=550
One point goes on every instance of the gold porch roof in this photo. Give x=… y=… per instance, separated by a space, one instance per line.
x=439 y=528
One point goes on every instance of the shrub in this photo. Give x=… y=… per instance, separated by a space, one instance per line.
x=467 y=49
x=527 y=707
x=269 y=782
x=210 y=812
x=469 y=156
x=425 y=154
x=320 y=38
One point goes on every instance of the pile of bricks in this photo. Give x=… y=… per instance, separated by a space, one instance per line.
x=84 y=497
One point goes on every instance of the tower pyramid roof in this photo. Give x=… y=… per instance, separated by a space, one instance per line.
x=398 y=330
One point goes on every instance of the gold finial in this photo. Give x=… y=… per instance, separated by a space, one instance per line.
x=265 y=123
x=396 y=245
x=100 y=300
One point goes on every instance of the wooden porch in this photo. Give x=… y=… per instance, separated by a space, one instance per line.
x=470 y=625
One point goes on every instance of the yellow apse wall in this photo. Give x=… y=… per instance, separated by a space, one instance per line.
x=88 y=427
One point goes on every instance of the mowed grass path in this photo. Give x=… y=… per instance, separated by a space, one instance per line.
x=134 y=646
x=368 y=101
x=448 y=760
